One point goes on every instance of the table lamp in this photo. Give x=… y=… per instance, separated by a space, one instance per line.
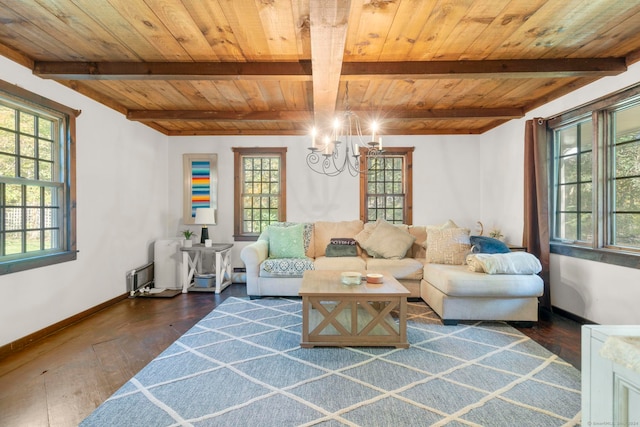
x=204 y=217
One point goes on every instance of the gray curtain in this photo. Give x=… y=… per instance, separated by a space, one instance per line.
x=536 y=200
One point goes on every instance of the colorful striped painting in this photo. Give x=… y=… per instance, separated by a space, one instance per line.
x=200 y=185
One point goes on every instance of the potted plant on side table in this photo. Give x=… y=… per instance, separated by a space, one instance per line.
x=188 y=234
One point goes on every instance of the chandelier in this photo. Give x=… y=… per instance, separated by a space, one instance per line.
x=339 y=149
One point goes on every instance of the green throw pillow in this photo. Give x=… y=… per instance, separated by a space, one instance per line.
x=286 y=242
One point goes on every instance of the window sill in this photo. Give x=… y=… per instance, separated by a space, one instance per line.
x=13 y=266
x=607 y=256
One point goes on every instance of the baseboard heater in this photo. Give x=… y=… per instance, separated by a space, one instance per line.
x=139 y=278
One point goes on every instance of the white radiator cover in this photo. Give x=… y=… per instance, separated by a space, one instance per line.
x=166 y=263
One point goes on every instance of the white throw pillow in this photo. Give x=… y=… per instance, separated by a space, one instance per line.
x=509 y=263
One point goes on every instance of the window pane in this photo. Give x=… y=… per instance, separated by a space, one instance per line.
x=33 y=195
x=33 y=241
x=49 y=218
x=45 y=128
x=627 y=194
x=568 y=226
x=586 y=227
x=568 y=139
x=48 y=242
x=7 y=165
x=27 y=146
x=586 y=136
x=568 y=196
x=627 y=230
x=45 y=149
x=585 y=167
x=13 y=219
x=586 y=197
x=13 y=244
x=27 y=168
x=568 y=169
x=13 y=195
x=27 y=123
x=627 y=159
x=7 y=142
x=45 y=171
x=7 y=117
x=627 y=124
x=33 y=218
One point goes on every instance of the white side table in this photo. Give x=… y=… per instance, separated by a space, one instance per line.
x=192 y=264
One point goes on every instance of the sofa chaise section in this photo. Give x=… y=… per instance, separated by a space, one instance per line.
x=456 y=294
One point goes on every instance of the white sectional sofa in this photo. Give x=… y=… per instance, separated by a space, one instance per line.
x=431 y=267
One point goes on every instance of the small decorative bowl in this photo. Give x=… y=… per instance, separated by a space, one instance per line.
x=374 y=278
x=351 y=278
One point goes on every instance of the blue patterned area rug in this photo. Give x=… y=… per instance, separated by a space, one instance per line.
x=242 y=365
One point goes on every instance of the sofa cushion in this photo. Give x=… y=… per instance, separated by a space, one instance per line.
x=347 y=263
x=447 y=246
x=323 y=231
x=285 y=267
x=487 y=245
x=457 y=280
x=405 y=268
x=286 y=242
x=386 y=240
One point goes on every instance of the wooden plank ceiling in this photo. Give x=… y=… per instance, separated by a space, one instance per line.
x=274 y=67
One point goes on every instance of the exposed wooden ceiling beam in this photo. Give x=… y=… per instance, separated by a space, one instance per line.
x=328 y=30
x=174 y=70
x=516 y=68
x=305 y=116
x=302 y=71
x=298 y=132
x=224 y=116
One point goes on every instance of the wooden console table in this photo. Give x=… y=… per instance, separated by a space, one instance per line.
x=192 y=264
x=334 y=314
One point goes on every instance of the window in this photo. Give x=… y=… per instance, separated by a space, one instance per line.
x=37 y=188
x=595 y=178
x=386 y=191
x=260 y=190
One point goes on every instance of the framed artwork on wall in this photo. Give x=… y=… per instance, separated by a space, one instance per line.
x=200 y=184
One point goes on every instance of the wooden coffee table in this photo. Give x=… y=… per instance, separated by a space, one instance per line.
x=334 y=314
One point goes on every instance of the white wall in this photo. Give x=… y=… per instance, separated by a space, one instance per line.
x=444 y=176
x=121 y=209
x=600 y=292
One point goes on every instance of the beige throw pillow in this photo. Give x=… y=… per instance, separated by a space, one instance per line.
x=448 y=246
x=386 y=240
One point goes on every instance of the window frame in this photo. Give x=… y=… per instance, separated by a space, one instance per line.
x=599 y=249
x=238 y=154
x=407 y=179
x=39 y=105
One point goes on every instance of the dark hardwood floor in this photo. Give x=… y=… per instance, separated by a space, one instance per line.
x=62 y=378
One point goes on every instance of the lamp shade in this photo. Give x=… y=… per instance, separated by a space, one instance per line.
x=205 y=216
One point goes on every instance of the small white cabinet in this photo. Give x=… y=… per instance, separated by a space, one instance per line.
x=610 y=375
